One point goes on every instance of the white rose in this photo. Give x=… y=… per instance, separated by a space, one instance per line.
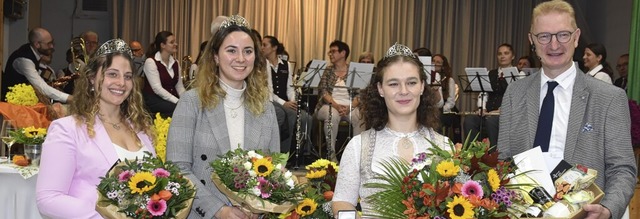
x=290 y=183
x=255 y=191
x=279 y=166
x=287 y=175
x=247 y=165
x=252 y=173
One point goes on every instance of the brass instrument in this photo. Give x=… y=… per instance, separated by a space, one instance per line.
x=186 y=63
x=80 y=58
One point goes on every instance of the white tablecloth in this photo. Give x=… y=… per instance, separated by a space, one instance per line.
x=17 y=195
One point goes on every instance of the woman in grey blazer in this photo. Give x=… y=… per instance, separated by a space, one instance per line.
x=226 y=110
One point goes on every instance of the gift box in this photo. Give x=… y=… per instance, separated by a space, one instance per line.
x=597 y=194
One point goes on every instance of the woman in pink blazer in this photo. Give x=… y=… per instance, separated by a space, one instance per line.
x=107 y=123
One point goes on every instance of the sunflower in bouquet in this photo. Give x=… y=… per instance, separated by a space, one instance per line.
x=257 y=181
x=146 y=188
x=464 y=181
x=29 y=135
x=322 y=175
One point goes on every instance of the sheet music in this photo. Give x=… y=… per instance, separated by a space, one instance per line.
x=311 y=78
x=512 y=74
x=478 y=79
x=426 y=61
x=530 y=71
x=359 y=74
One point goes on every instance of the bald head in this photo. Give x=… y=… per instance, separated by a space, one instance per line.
x=136 y=48
x=215 y=24
x=38 y=34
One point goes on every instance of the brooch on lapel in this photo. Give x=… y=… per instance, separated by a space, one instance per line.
x=587 y=127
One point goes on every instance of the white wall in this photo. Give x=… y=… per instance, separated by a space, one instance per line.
x=57 y=16
x=611 y=26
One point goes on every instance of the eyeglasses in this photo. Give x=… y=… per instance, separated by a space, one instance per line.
x=332 y=51
x=545 y=38
x=135 y=50
x=622 y=65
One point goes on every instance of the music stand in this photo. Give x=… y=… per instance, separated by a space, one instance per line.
x=477 y=80
x=512 y=74
x=309 y=79
x=529 y=71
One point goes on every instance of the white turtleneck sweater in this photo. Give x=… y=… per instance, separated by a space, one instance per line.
x=234 y=114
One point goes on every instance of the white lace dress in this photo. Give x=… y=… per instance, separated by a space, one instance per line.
x=351 y=177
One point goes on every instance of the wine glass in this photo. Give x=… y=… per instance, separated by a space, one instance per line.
x=7 y=138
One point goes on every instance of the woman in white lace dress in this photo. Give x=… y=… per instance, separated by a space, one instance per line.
x=400 y=116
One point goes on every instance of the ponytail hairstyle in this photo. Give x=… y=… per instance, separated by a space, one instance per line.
x=161 y=37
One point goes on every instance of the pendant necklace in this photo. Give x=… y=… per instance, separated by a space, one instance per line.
x=232 y=110
x=115 y=125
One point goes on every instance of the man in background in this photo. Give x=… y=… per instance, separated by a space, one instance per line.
x=622 y=67
x=138 y=56
x=23 y=66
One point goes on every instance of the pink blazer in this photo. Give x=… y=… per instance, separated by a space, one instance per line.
x=70 y=167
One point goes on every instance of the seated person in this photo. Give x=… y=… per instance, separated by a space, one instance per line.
x=335 y=102
x=163 y=85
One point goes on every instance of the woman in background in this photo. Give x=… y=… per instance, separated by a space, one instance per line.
x=448 y=92
x=400 y=116
x=227 y=109
x=163 y=85
x=108 y=123
x=595 y=59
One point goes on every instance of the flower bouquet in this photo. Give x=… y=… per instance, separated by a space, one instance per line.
x=257 y=182
x=147 y=188
x=161 y=128
x=322 y=175
x=466 y=181
x=29 y=135
x=22 y=94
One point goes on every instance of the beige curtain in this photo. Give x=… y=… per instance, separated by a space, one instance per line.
x=467 y=32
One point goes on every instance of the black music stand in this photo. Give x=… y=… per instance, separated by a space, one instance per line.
x=512 y=74
x=477 y=80
x=306 y=80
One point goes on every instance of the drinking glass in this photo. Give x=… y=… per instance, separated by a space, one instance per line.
x=7 y=138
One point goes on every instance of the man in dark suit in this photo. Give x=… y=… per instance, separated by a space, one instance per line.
x=589 y=121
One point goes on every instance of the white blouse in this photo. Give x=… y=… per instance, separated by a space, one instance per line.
x=386 y=142
x=124 y=154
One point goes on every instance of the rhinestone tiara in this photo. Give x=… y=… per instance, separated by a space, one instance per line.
x=113 y=46
x=399 y=50
x=235 y=20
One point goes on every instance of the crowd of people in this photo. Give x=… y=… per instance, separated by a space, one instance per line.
x=242 y=96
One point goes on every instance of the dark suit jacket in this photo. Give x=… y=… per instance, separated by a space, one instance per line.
x=197 y=137
x=606 y=147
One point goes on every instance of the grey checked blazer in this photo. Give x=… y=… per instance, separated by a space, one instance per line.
x=598 y=135
x=197 y=136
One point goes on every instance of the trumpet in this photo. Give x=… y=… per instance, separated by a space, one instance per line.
x=185 y=74
x=80 y=58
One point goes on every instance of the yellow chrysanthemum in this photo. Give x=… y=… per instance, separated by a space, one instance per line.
x=319 y=163
x=161 y=128
x=22 y=94
x=460 y=208
x=314 y=174
x=263 y=167
x=447 y=169
x=306 y=207
x=494 y=179
x=142 y=182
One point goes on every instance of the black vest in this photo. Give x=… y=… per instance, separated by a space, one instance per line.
x=11 y=77
x=168 y=82
x=279 y=81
